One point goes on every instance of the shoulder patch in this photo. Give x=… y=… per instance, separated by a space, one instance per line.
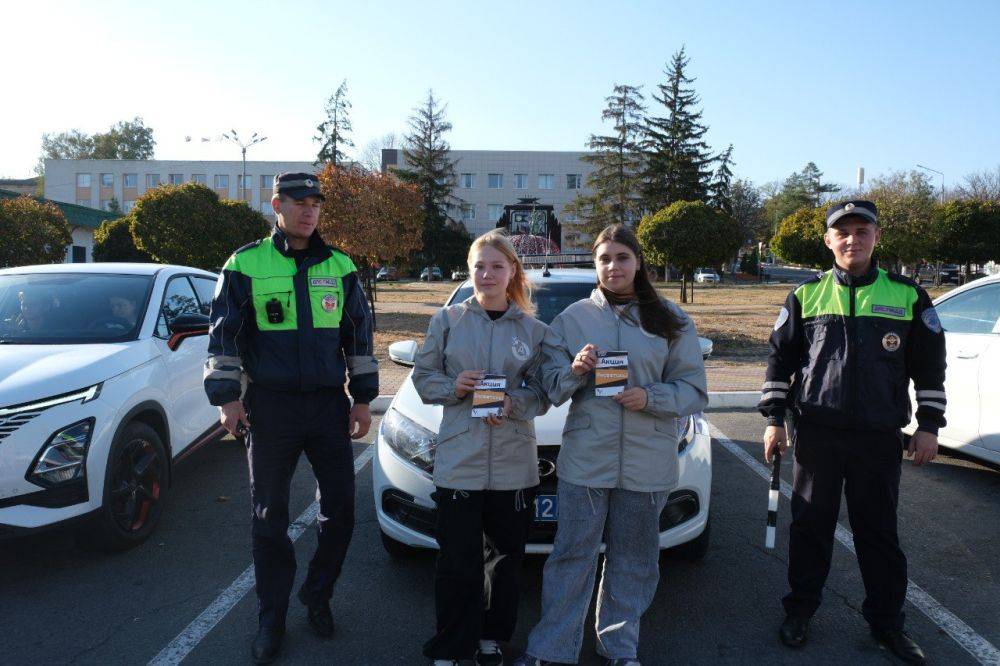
x=782 y=318
x=931 y=320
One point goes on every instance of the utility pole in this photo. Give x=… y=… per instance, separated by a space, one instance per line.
x=232 y=136
x=921 y=166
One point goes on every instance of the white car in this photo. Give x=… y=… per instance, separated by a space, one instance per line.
x=970 y=316
x=706 y=275
x=100 y=394
x=404 y=459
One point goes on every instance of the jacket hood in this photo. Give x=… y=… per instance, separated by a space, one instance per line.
x=472 y=305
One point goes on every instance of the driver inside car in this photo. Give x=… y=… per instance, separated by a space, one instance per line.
x=36 y=308
x=125 y=309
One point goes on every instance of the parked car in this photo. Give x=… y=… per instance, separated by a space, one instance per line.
x=435 y=274
x=706 y=275
x=459 y=274
x=950 y=273
x=387 y=274
x=407 y=438
x=100 y=394
x=970 y=316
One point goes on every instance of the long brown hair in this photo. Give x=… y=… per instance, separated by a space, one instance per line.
x=519 y=288
x=654 y=316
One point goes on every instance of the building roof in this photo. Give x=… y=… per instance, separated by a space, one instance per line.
x=77 y=216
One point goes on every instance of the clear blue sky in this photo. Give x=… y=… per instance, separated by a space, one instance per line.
x=880 y=84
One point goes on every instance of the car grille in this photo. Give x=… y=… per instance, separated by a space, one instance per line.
x=682 y=505
x=10 y=424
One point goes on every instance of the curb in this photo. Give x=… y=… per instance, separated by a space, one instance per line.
x=716 y=400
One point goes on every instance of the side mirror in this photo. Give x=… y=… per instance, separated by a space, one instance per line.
x=186 y=326
x=403 y=353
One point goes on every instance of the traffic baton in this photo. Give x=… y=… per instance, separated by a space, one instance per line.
x=772 y=501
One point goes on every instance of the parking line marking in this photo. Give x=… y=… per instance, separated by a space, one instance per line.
x=187 y=640
x=981 y=649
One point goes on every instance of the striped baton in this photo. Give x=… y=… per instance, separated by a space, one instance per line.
x=772 y=501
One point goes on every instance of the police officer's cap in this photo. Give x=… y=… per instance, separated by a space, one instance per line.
x=297 y=185
x=859 y=208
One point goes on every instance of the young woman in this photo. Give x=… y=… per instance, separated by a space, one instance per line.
x=618 y=460
x=485 y=469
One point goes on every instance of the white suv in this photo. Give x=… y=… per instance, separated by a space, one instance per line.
x=100 y=393
x=404 y=461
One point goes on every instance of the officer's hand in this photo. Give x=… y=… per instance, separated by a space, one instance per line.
x=633 y=399
x=923 y=447
x=774 y=438
x=234 y=418
x=497 y=420
x=361 y=419
x=584 y=361
x=465 y=383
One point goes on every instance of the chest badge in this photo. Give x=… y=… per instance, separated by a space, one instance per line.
x=519 y=349
x=891 y=342
x=329 y=302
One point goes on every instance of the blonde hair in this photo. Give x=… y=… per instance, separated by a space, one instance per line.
x=519 y=288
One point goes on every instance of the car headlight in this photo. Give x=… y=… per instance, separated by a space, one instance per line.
x=412 y=442
x=687 y=428
x=64 y=456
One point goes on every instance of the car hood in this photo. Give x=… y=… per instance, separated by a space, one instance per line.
x=548 y=428
x=33 y=372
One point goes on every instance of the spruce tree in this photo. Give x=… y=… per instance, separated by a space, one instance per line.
x=720 y=195
x=334 y=131
x=677 y=159
x=618 y=162
x=429 y=167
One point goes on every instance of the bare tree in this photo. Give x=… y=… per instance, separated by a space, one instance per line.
x=371 y=156
x=980 y=186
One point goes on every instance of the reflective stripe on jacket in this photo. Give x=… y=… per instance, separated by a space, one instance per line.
x=472 y=455
x=605 y=445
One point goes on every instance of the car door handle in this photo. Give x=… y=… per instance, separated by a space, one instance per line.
x=967 y=354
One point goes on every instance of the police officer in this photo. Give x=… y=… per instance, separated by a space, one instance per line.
x=289 y=315
x=843 y=351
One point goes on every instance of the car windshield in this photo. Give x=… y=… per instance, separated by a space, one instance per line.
x=66 y=308
x=550 y=298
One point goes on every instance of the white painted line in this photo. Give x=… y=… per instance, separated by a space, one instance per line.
x=981 y=649
x=187 y=640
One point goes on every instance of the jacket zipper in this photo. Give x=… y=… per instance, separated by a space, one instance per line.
x=621 y=411
x=852 y=350
x=489 y=446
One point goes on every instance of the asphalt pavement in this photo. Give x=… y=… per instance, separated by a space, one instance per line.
x=63 y=605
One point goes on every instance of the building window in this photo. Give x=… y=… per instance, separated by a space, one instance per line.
x=494 y=212
x=198 y=178
x=152 y=180
x=246 y=182
x=128 y=205
x=176 y=178
x=574 y=181
x=546 y=181
x=496 y=181
x=520 y=181
x=468 y=181
x=83 y=202
x=222 y=181
x=79 y=254
x=107 y=180
x=130 y=180
x=83 y=180
x=267 y=183
x=468 y=212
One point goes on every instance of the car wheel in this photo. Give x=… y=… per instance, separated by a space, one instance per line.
x=695 y=550
x=397 y=549
x=134 y=490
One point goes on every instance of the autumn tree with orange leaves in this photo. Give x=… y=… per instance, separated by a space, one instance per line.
x=370 y=216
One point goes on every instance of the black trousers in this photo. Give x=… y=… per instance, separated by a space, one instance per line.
x=282 y=427
x=481 y=535
x=866 y=466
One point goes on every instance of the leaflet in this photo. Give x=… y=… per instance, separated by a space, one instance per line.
x=487 y=400
x=611 y=373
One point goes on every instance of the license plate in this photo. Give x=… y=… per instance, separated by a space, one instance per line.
x=546 y=508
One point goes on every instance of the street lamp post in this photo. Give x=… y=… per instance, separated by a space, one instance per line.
x=232 y=136
x=921 y=166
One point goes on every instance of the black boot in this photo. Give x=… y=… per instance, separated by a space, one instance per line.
x=900 y=644
x=266 y=645
x=794 y=631
x=320 y=617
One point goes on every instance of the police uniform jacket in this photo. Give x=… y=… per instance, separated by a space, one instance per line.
x=471 y=454
x=605 y=445
x=318 y=330
x=844 y=349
